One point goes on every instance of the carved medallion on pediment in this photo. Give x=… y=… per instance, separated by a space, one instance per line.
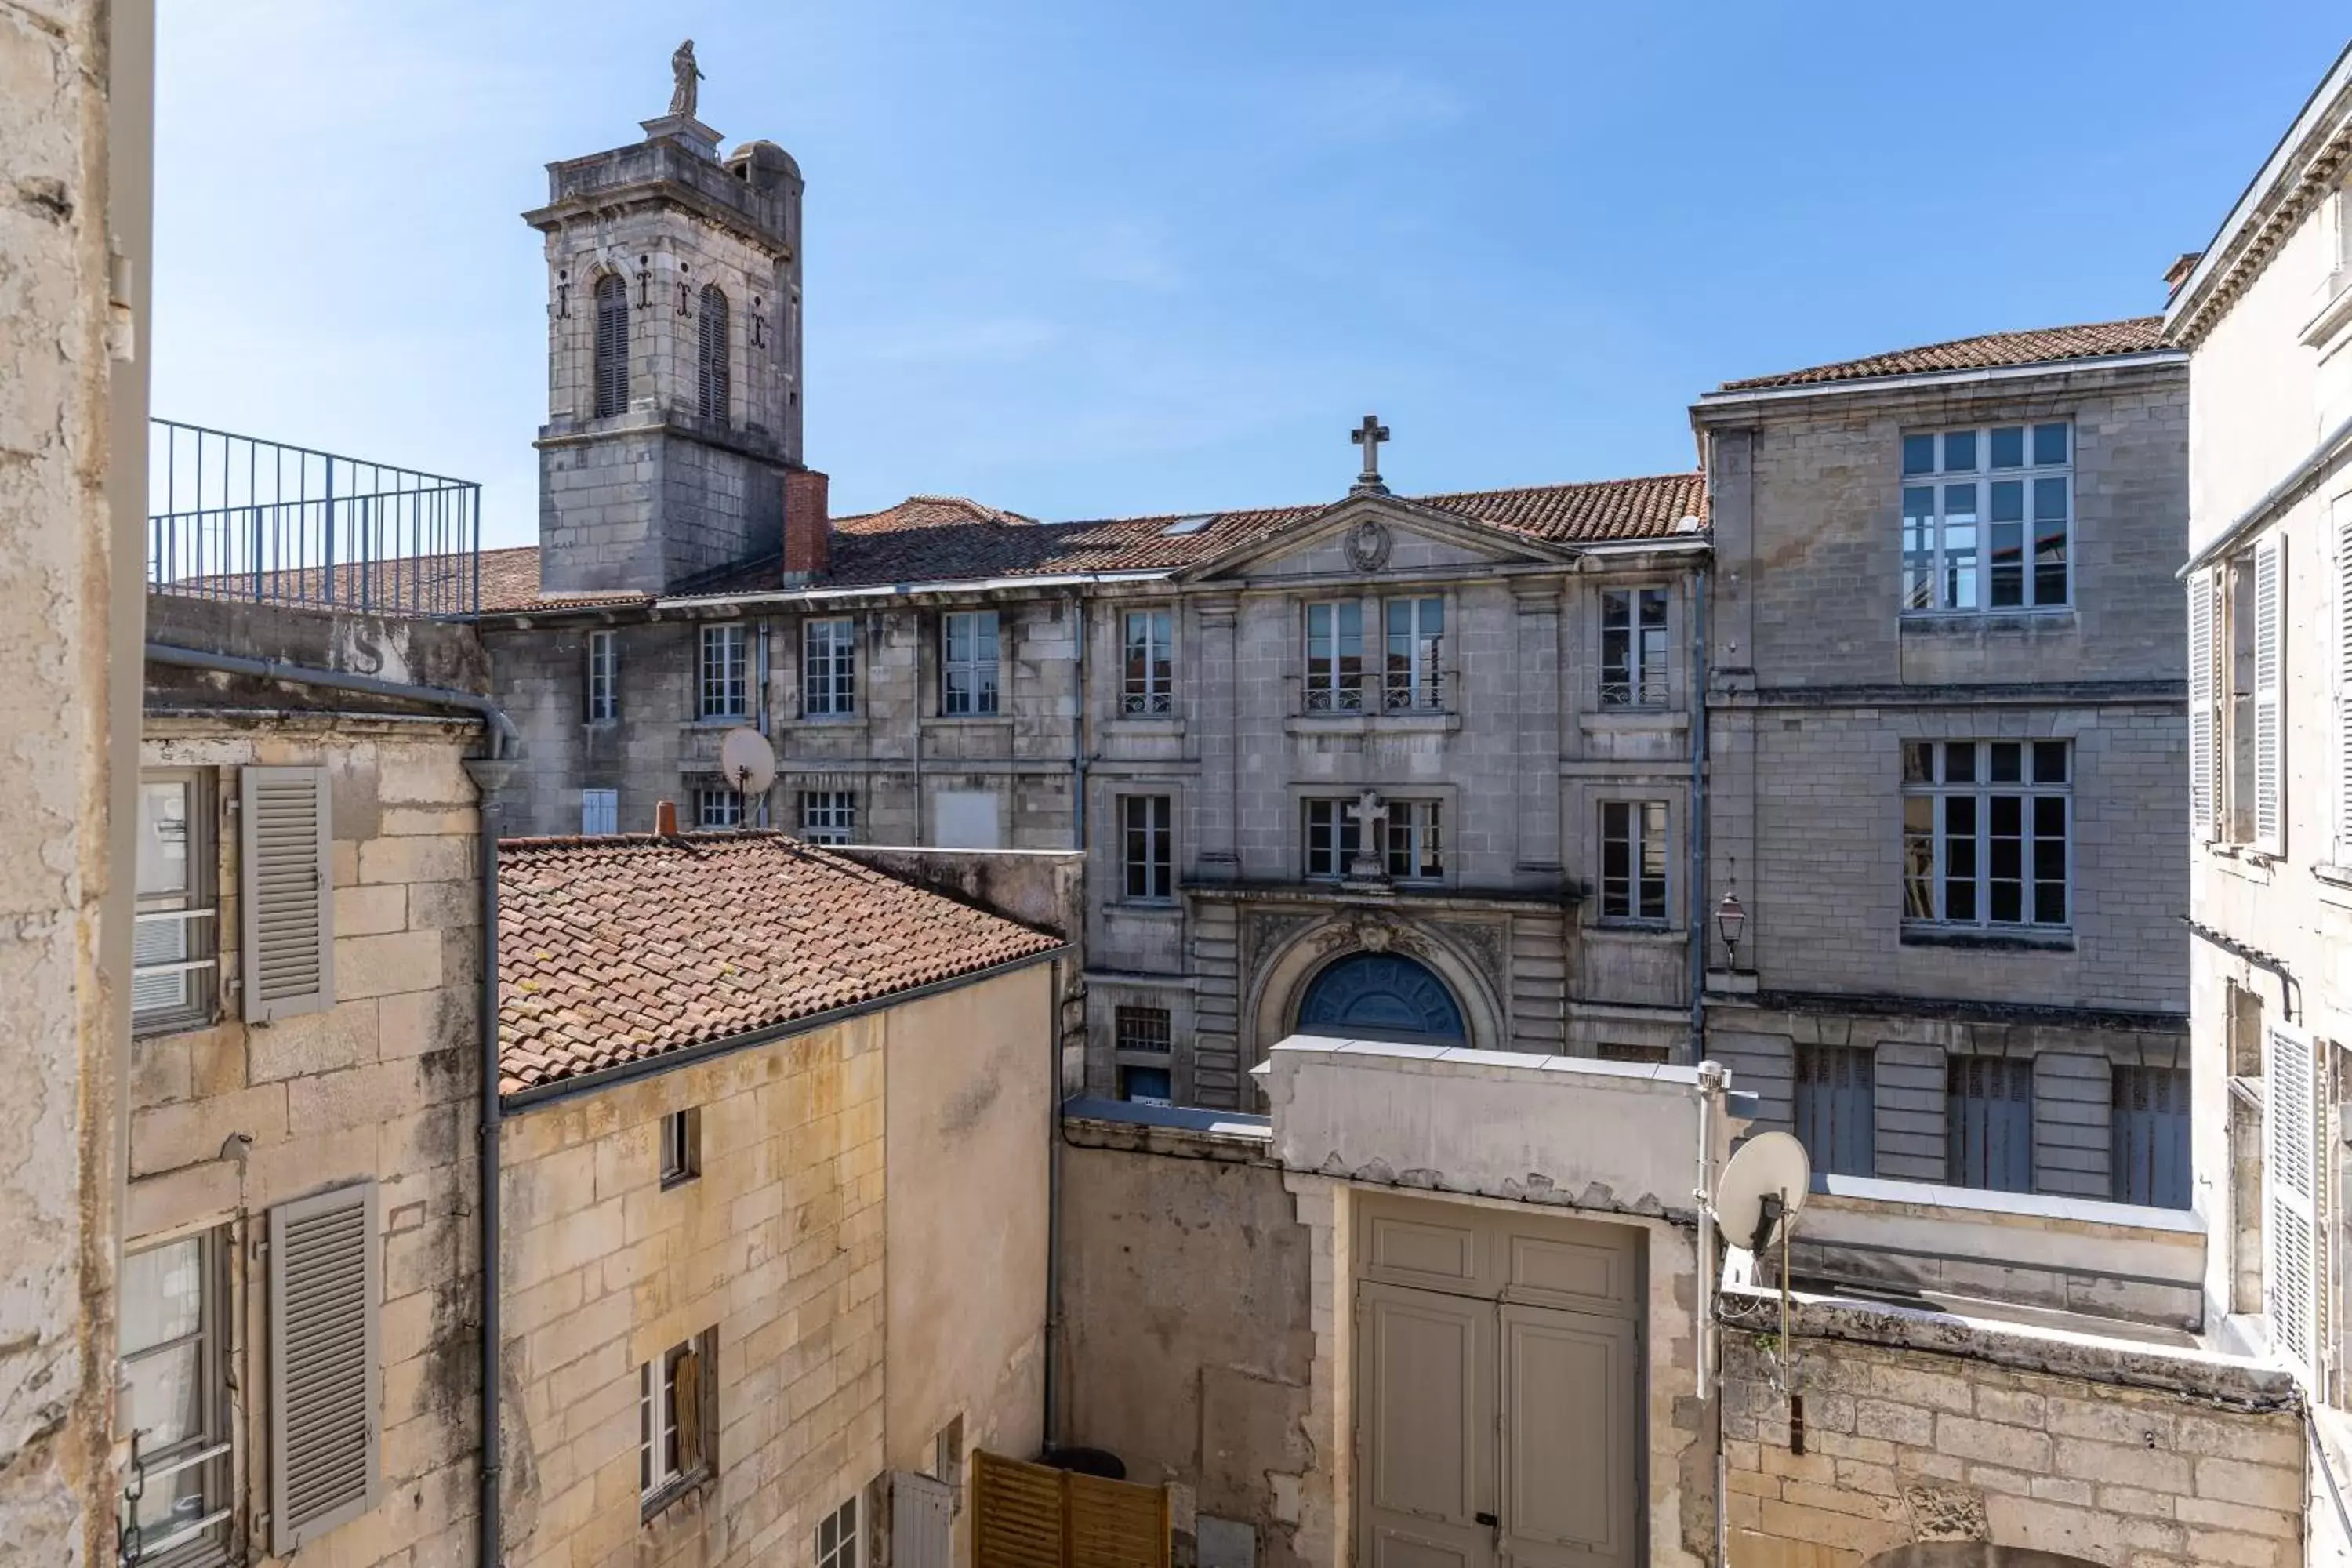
x=1367 y=545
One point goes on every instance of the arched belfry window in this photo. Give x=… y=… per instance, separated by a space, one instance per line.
x=612 y=345
x=710 y=361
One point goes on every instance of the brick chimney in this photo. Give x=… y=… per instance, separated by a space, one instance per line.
x=808 y=526
x=2177 y=273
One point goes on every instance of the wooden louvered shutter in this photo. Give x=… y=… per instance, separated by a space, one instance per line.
x=2294 y=1255
x=612 y=350
x=713 y=382
x=2270 y=716
x=286 y=836
x=325 y=1405
x=2204 y=714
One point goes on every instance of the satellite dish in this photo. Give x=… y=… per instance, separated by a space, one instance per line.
x=747 y=762
x=1761 y=1190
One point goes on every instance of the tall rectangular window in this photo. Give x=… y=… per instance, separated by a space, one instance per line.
x=1414 y=836
x=828 y=816
x=173 y=939
x=603 y=676
x=829 y=669
x=1633 y=860
x=1331 y=836
x=1835 y=1108
x=1634 y=659
x=726 y=685
x=681 y=1146
x=1147 y=663
x=1988 y=1122
x=1985 y=833
x=675 y=1422
x=1988 y=516
x=968 y=662
x=1146 y=824
x=175 y=1373
x=2147 y=1127
x=1335 y=656
x=1416 y=630
x=719 y=807
x=600 y=811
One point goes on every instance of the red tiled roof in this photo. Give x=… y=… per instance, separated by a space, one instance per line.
x=614 y=949
x=1994 y=350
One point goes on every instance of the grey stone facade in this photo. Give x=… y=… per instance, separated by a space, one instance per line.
x=1820 y=679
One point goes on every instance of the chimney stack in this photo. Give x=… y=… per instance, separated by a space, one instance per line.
x=808 y=526
x=665 y=818
x=2177 y=273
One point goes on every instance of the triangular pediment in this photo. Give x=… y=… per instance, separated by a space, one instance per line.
x=1371 y=535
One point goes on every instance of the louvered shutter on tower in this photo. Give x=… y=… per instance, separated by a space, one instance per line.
x=286 y=834
x=325 y=1404
x=2294 y=1255
x=2204 y=716
x=612 y=345
x=714 y=383
x=2270 y=669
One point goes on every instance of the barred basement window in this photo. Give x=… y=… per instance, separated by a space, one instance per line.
x=714 y=383
x=1633 y=647
x=612 y=345
x=1634 y=861
x=1414 y=840
x=1988 y=1122
x=829 y=669
x=724 y=689
x=828 y=816
x=1416 y=630
x=1141 y=1029
x=836 y=1538
x=1987 y=515
x=1335 y=656
x=1147 y=669
x=1147 y=856
x=1985 y=833
x=675 y=1422
x=1836 y=1108
x=968 y=641
x=603 y=676
x=174 y=938
x=717 y=808
x=1613 y=1051
x=1330 y=836
x=175 y=1361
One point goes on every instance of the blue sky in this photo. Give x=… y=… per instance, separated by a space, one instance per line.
x=1088 y=259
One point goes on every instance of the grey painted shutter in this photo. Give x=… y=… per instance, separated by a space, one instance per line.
x=2343 y=683
x=922 y=1514
x=2293 y=1264
x=325 y=1404
x=612 y=353
x=285 y=836
x=1836 y=1108
x=2204 y=728
x=2270 y=731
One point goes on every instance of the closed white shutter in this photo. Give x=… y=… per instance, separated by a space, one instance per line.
x=325 y=1404
x=2204 y=728
x=2270 y=671
x=286 y=837
x=2294 y=1261
x=922 y=1523
x=2342 y=682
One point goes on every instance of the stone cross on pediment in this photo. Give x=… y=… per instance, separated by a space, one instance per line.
x=1368 y=436
x=1368 y=864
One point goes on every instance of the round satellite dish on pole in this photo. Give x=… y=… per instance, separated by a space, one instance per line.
x=747 y=762
x=1761 y=1190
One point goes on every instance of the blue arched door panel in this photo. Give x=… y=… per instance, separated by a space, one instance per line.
x=1382 y=993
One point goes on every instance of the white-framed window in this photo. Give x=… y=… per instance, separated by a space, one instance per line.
x=1988 y=516
x=968 y=640
x=836 y=1538
x=1147 y=846
x=600 y=811
x=1331 y=836
x=1413 y=835
x=175 y=1366
x=1147 y=669
x=717 y=807
x=174 y=938
x=947 y=1459
x=603 y=676
x=1335 y=656
x=1634 y=657
x=829 y=667
x=1416 y=632
x=1634 y=861
x=829 y=816
x=675 y=1421
x=726 y=686
x=1985 y=833
x=681 y=1146
x=1142 y=1029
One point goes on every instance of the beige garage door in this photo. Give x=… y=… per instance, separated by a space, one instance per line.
x=1497 y=1389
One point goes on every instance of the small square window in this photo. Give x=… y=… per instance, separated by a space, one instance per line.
x=717 y=808
x=1146 y=1086
x=681 y=1146
x=836 y=1538
x=1142 y=1029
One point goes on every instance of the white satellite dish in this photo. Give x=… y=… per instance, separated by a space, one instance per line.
x=1770 y=1173
x=747 y=762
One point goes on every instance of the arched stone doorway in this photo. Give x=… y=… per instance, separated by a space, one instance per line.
x=1383 y=995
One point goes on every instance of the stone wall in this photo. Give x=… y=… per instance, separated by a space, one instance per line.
x=228 y=1119
x=2118 y=1455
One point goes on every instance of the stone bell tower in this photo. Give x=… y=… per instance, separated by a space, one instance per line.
x=673 y=353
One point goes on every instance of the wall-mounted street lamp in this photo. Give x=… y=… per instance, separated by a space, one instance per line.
x=1731 y=919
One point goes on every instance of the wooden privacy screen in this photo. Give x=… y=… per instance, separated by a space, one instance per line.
x=1033 y=1516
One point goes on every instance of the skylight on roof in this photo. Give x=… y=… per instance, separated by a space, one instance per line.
x=1185 y=525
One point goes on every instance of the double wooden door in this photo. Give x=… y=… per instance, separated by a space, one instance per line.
x=1498 y=1393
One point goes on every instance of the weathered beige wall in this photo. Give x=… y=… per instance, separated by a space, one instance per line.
x=1186 y=1342
x=381 y=1086
x=71 y=378
x=777 y=1245
x=968 y=1129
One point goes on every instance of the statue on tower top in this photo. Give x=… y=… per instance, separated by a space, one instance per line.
x=684 y=73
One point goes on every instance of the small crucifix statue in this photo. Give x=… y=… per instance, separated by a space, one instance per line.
x=683 y=76
x=1368 y=436
x=1369 y=813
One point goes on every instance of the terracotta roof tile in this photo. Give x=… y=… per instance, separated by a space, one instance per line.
x=1994 y=350
x=619 y=948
